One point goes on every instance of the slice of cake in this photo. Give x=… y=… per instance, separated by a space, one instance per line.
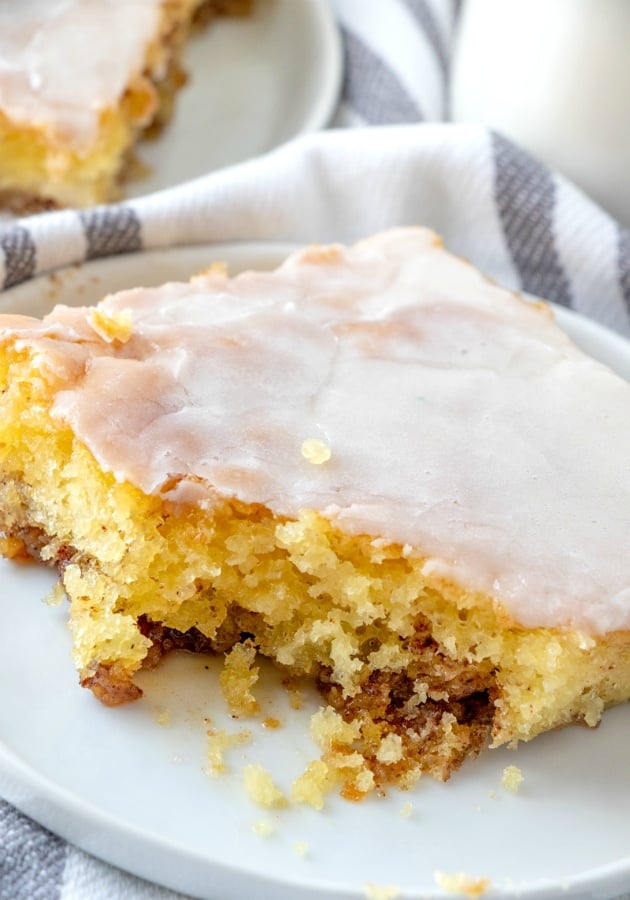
x=80 y=82
x=372 y=466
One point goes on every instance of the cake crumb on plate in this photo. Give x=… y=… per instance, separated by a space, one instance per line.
x=380 y=892
x=312 y=785
x=511 y=779
x=239 y=675
x=260 y=787
x=300 y=847
x=217 y=743
x=462 y=884
x=263 y=828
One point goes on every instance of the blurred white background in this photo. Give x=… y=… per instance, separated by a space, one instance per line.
x=554 y=75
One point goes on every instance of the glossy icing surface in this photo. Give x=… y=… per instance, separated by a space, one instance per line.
x=63 y=61
x=389 y=386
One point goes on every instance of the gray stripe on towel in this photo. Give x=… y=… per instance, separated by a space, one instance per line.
x=111 y=230
x=372 y=89
x=31 y=859
x=525 y=194
x=20 y=255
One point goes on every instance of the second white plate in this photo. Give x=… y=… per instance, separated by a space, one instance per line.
x=254 y=83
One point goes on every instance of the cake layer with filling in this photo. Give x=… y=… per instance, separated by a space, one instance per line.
x=371 y=465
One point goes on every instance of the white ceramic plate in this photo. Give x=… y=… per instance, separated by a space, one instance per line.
x=134 y=792
x=254 y=83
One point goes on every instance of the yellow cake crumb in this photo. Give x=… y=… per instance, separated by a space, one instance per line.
x=217 y=743
x=364 y=780
x=322 y=254
x=260 y=787
x=315 y=451
x=163 y=718
x=216 y=268
x=312 y=785
x=328 y=729
x=112 y=326
x=335 y=768
x=512 y=779
x=300 y=847
x=351 y=770
x=263 y=828
x=239 y=675
x=406 y=810
x=56 y=596
x=462 y=884
x=271 y=723
x=380 y=892
x=339 y=765
x=390 y=750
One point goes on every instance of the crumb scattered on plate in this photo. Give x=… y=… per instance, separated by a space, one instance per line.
x=312 y=785
x=512 y=779
x=217 y=743
x=260 y=787
x=462 y=884
x=271 y=723
x=263 y=828
x=379 y=892
x=238 y=677
x=300 y=847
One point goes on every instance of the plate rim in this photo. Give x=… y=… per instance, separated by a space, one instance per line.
x=328 y=96
x=66 y=813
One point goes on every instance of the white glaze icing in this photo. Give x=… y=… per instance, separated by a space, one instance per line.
x=460 y=419
x=62 y=62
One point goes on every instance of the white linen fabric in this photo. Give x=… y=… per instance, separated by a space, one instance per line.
x=392 y=159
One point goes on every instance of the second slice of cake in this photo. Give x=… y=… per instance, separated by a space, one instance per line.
x=80 y=83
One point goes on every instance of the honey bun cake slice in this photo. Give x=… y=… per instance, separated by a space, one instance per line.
x=372 y=466
x=80 y=82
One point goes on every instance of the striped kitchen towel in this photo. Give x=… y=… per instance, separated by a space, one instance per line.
x=399 y=162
